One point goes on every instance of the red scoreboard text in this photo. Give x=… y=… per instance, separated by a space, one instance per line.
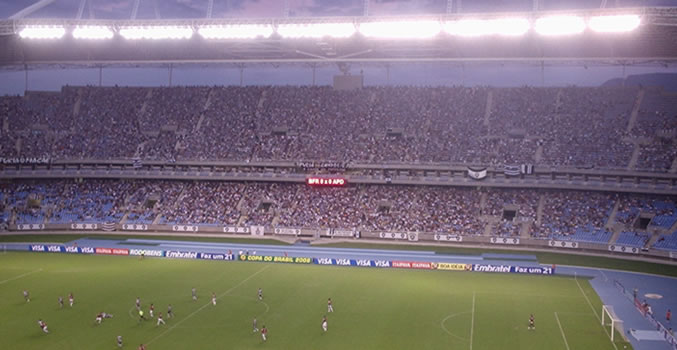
x=326 y=181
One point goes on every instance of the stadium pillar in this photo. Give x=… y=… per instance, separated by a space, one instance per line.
x=100 y=75
x=171 y=71
x=241 y=66
x=314 y=67
x=25 y=77
x=542 y=73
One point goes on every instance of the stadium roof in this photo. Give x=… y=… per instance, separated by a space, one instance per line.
x=455 y=38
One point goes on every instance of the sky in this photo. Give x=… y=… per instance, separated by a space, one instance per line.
x=15 y=82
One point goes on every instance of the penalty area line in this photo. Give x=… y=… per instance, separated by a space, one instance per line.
x=561 y=330
x=207 y=304
x=20 y=276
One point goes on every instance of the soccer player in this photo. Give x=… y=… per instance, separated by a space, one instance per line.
x=141 y=347
x=260 y=294
x=138 y=303
x=213 y=298
x=27 y=296
x=324 y=323
x=60 y=302
x=43 y=325
x=531 y=322
x=330 y=308
x=160 y=320
x=151 y=310
x=264 y=332
x=107 y=315
x=170 y=314
x=99 y=317
x=71 y=299
x=255 y=326
x=194 y=292
x=119 y=340
x=141 y=318
x=668 y=315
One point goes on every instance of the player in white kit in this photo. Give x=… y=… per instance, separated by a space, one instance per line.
x=213 y=298
x=324 y=323
x=330 y=308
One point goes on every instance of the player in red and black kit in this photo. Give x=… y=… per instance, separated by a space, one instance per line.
x=531 y=322
x=142 y=347
x=43 y=325
x=668 y=315
x=264 y=333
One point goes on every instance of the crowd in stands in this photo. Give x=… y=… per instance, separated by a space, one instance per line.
x=545 y=214
x=571 y=126
x=571 y=212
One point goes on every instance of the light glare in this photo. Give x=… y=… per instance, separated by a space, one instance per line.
x=243 y=31
x=92 y=32
x=42 y=32
x=478 y=27
x=316 y=30
x=157 y=32
x=614 y=24
x=401 y=29
x=559 y=25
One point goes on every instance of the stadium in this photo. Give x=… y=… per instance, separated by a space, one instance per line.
x=365 y=174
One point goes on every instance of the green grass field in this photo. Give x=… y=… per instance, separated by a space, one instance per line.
x=374 y=308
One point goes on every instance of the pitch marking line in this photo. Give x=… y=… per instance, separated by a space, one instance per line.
x=21 y=275
x=562 y=331
x=472 y=319
x=593 y=310
x=207 y=304
x=448 y=317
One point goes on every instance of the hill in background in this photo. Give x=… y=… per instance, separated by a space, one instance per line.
x=667 y=80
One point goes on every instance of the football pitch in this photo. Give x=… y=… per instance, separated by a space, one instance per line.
x=374 y=308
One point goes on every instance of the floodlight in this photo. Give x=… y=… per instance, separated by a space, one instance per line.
x=316 y=30
x=614 y=24
x=156 y=32
x=42 y=32
x=559 y=25
x=239 y=31
x=401 y=29
x=92 y=32
x=479 y=27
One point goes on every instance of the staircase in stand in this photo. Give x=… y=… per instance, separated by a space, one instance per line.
x=635 y=157
x=635 y=111
x=208 y=102
x=488 y=108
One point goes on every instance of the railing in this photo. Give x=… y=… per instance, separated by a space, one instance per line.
x=668 y=336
